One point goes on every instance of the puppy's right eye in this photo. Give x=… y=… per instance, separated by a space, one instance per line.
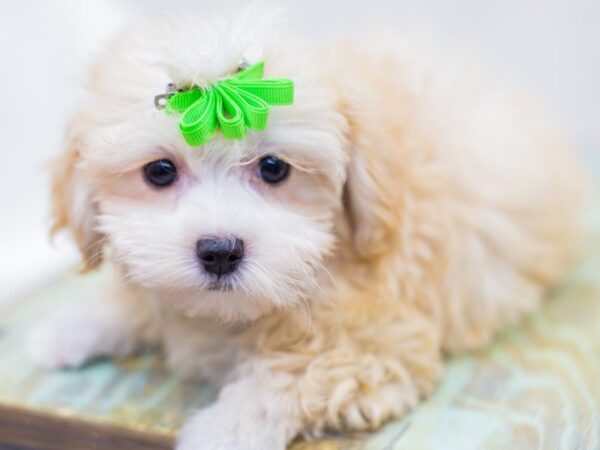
x=160 y=173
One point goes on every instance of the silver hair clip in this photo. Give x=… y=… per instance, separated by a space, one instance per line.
x=160 y=101
x=243 y=64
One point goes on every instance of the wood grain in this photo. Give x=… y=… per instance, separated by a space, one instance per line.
x=36 y=431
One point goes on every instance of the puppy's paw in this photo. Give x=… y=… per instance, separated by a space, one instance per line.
x=370 y=409
x=218 y=428
x=67 y=340
x=205 y=431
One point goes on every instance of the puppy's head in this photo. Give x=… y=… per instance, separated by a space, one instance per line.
x=232 y=229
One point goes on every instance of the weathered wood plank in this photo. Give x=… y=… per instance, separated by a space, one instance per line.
x=33 y=430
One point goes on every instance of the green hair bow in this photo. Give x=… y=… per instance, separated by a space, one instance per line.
x=233 y=105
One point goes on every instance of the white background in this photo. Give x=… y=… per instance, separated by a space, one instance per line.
x=551 y=47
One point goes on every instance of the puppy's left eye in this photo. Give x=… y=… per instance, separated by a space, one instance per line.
x=273 y=170
x=160 y=173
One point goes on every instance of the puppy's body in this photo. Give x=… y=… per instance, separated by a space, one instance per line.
x=424 y=212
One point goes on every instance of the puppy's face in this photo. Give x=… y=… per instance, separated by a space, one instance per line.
x=230 y=229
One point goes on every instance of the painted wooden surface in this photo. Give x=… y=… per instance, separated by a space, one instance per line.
x=537 y=386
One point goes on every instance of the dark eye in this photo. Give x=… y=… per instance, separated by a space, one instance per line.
x=160 y=173
x=273 y=170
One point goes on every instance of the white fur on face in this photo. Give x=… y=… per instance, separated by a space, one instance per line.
x=287 y=228
x=156 y=244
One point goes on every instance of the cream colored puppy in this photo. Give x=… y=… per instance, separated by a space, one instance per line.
x=316 y=271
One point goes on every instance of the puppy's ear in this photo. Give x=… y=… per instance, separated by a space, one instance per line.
x=372 y=198
x=72 y=205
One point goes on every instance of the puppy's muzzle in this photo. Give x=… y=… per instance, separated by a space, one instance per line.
x=220 y=256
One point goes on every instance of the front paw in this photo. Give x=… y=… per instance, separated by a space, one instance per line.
x=219 y=428
x=67 y=340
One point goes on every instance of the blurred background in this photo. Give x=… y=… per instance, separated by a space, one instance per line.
x=551 y=47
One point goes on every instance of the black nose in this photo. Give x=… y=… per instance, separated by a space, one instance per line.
x=220 y=256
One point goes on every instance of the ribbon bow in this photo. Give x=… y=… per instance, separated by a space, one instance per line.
x=233 y=105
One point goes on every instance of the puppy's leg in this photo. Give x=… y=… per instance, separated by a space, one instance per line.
x=364 y=383
x=348 y=387
x=516 y=198
x=502 y=272
x=252 y=413
x=75 y=335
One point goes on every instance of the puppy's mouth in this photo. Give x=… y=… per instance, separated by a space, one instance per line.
x=221 y=284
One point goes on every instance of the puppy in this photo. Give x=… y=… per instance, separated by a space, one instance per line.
x=316 y=271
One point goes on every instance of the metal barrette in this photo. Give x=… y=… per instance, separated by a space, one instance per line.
x=243 y=64
x=160 y=101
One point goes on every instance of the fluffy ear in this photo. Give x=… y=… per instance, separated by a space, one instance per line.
x=373 y=194
x=72 y=205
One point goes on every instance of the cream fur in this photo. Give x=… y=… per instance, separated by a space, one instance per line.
x=425 y=211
